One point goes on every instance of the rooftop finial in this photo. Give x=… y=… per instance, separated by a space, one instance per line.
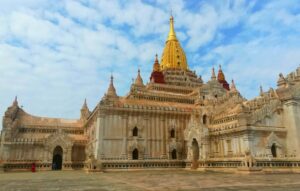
x=85 y=103
x=172 y=35
x=221 y=76
x=85 y=112
x=156 y=65
x=84 y=106
x=213 y=74
x=15 y=103
x=139 y=80
x=233 y=87
x=111 y=91
x=261 y=91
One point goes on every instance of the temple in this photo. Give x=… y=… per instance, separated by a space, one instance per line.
x=173 y=121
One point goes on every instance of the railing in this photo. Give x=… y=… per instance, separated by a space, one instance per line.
x=277 y=163
x=148 y=164
x=26 y=166
x=40 y=166
x=142 y=164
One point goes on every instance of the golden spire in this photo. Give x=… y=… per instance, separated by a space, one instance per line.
x=173 y=55
x=172 y=35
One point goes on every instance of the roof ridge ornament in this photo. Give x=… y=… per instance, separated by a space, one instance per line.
x=139 y=80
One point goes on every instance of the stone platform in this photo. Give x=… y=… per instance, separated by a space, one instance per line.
x=146 y=180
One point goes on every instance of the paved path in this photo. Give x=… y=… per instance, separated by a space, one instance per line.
x=146 y=180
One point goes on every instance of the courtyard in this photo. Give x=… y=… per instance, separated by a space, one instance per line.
x=145 y=180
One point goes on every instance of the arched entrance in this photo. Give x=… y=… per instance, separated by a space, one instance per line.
x=195 y=152
x=174 y=154
x=274 y=150
x=195 y=149
x=135 y=154
x=57 y=158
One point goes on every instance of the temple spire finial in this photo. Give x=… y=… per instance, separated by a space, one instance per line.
x=261 y=91
x=172 y=35
x=111 y=91
x=139 y=80
x=84 y=106
x=85 y=112
x=221 y=76
x=156 y=65
x=213 y=74
x=233 y=87
x=15 y=103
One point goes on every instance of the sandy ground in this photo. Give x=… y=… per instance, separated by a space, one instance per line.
x=146 y=180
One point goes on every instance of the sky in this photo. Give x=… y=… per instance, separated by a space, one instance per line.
x=54 y=54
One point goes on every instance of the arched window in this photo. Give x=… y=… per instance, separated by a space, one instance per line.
x=274 y=150
x=172 y=133
x=204 y=119
x=135 y=154
x=174 y=154
x=135 y=132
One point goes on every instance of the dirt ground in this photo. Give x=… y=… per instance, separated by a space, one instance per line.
x=146 y=180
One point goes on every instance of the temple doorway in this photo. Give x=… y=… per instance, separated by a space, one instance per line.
x=135 y=154
x=195 y=151
x=57 y=158
x=274 y=150
x=174 y=154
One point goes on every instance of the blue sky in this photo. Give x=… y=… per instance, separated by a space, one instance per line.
x=54 y=54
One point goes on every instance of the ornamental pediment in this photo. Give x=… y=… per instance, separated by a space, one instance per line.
x=59 y=138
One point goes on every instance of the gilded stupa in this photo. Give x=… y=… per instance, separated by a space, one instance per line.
x=173 y=55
